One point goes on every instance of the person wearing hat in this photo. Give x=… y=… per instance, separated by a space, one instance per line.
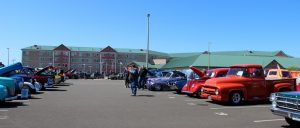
x=133 y=78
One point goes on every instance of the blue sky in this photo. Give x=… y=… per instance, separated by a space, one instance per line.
x=175 y=25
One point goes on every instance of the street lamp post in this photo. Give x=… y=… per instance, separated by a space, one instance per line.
x=120 y=66
x=148 y=39
x=84 y=68
x=90 y=69
x=7 y=56
x=208 y=66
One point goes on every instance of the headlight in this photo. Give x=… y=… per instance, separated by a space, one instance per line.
x=217 y=92
x=193 y=85
x=272 y=97
x=202 y=89
x=274 y=104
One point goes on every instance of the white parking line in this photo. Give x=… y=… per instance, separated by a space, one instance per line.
x=260 y=121
x=221 y=114
x=171 y=97
x=3 y=114
x=240 y=107
x=192 y=104
x=3 y=117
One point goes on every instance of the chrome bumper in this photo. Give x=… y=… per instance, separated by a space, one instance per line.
x=286 y=113
x=11 y=98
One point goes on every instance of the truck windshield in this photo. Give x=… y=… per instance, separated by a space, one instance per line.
x=238 y=72
x=210 y=74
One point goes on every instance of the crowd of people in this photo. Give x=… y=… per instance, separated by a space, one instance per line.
x=135 y=78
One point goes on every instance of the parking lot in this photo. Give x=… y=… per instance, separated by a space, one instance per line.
x=108 y=104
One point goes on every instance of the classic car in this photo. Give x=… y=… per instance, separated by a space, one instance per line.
x=162 y=83
x=193 y=86
x=7 y=89
x=9 y=71
x=286 y=104
x=244 y=82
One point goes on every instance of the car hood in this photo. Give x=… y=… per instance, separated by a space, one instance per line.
x=295 y=95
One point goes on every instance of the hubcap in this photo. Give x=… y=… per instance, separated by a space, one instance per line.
x=236 y=98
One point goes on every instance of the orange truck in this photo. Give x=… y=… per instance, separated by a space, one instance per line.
x=244 y=82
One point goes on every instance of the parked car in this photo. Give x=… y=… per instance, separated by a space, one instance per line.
x=193 y=86
x=286 y=104
x=45 y=76
x=7 y=89
x=244 y=82
x=162 y=83
x=9 y=71
x=279 y=74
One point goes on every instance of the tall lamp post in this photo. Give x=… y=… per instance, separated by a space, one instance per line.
x=7 y=56
x=148 y=39
x=90 y=69
x=120 y=66
x=209 y=43
x=84 y=68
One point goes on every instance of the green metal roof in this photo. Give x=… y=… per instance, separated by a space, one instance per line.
x=248 y=53
x=157 y=66
x=180 y=62
x=173 y=55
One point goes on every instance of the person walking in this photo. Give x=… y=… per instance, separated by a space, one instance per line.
x=142 y=77
x=133 y=78
x=126 y=79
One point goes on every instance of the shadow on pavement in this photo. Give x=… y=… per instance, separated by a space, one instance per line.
x=54 y=89
x=12 y=104
x=142 y=95
x=63 y=84
x=247 y=103
x=289 y=126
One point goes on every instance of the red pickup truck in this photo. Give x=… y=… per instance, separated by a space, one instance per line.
x=193 y=86
x=244 y=82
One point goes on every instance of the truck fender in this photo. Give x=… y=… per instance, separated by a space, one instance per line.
x=279 y=86
x=231 y=87
x=3 y=93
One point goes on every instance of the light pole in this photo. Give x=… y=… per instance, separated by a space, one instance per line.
x=208 y=66
x=148 y=39
x=90 y=69
x=120 y=66
x=7 y=56
x=84 y=68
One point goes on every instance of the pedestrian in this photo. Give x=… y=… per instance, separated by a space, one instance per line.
x=142 y=77
x=126 y=79
x=133 y=78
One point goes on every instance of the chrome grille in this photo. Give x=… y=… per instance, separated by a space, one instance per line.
x=288 y=103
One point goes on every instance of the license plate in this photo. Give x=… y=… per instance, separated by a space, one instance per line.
x=209 y=97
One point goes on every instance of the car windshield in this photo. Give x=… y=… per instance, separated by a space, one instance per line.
x=238 y=72
x=169 y=74
x=210 y=74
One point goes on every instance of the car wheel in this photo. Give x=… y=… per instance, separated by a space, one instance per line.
x=236 y=98
x=198 y=93
x=178 y=91
x=158 y=88
x=292 y=122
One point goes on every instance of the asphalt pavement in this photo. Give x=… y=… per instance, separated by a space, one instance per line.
x=108 y=104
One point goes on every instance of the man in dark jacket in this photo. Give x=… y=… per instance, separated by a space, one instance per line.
x=133 y=78
x=142 y=77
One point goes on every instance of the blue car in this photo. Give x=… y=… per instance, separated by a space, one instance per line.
x=7 y=89
x=287 y=105
x=163 y=83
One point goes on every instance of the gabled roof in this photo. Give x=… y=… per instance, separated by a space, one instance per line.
x=173 y=55
x=62 y=47
x=108 y=49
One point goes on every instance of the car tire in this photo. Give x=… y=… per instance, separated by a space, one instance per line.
x=292 y=122
x=236 y=98
x=198 y=93
x=158 y=88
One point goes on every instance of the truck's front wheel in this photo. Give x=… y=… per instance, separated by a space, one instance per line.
x=236 y=98
x=292 y=122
